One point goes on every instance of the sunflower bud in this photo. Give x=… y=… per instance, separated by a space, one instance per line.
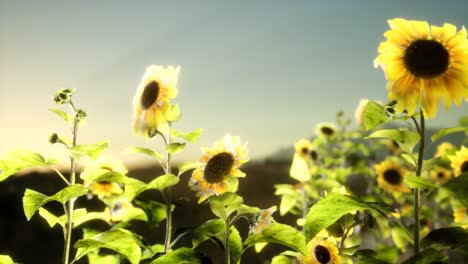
x=81 y=115
x=63 y=96
x=53 y=138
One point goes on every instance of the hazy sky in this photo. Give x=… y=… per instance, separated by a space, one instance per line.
x=268 y=71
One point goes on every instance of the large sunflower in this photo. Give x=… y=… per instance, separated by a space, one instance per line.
x=326 y=130
x=440 y=175
x=424 y=64
x=320 y=251
x=459 y=161
x=151 y=101
x=220 y=165
x=390 y=176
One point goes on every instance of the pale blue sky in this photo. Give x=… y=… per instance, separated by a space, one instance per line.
x=268 y=71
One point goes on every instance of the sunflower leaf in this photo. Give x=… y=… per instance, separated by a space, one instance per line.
x=21 y=159
x=173 y=113
x=146 y=151
x=225 y=204
x=187 y=166
x=414 y=181
x=64 y=115
x=155 y=211
x=450 y=237
x=299 y=169
x=457 y=186
x=134 y=187
x=235 y=244
x=175 y=148
x=446 y=131
x=92 y=150
x=374 y=115
x=180 y=255
x=427 y=256
x=6 y=259
x=406 y=139
x=280 y=234
x=191 y=136
x=211 y=228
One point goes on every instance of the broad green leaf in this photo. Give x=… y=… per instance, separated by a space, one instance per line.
x=225 y=204
x=64 y=115
x=235 y=244
x=121 y=241
x=51 y=219
x=155 y=211
x=365 y=256
x=79 y=216
x=191 y=136
x=135 y=187
x=245 y=209
x=173 y=113
x=374 y=115
x=175 y=148
x=332 y=207
x=96 y=258
x=20 y=159
x=458 y=186
x=279 y=234
x=211 y=228
x=430 y=163
x=450 y=237
x=146 y=151
x=31 y=202
x=406 y=139
x=181 y=255
x=299 y=169
x=188 y=166
x=287 y=203
x=4 y=259
x=92 y=150
x=79 y=219
x=427 y=256
x=414 y=181
x=411 y=159
x=149 y=252
x=104 y=175
x=446 y=131
x=281 y=259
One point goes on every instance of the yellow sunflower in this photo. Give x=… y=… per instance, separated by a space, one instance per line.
x=390 y=176
x=359 y=113
x=262 y=220
x=440 y=175
x=393 y=146
x=151 y=101
x=424 y=64
x=443 y=148
x=460 y=216
x=220 y=164
x=326 y=130
x=320 y=251
x=459 y=161
x=303 y=147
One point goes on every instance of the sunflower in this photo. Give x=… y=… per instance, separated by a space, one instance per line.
x=443 y=149
x=460 y=216
x=394 y=147
x=459 y=161
x=390 y=176
x=220 y=165
x=303 y=147
x=424 y=64
x=262 y=220
x=440 y=175
x=321 y=251
x=151 y=101
x=326 y=130
x=359 y=113
x=103 y=165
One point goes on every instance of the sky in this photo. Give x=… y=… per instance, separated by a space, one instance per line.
x=267 y=71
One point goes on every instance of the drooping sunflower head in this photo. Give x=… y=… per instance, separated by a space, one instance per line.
x=423 y=64
x=151 y=101
x=390 y=176
x=262 y=220
x=220 y=167
x=303 y=148
x=443 y=149
x=359 y=113
x=440 y=175
x=321 y=251
x=459 y=161
x=326 y=130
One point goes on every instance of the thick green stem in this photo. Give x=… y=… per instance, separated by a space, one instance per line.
x=305 y=208
x=227 y=252
x=416 y=191
x=168 y=199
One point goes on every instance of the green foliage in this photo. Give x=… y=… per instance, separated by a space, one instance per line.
x=181 y=255
x=209 y=229
x=155 y=211
x=428 y=256
x=299 y=169
x=22 y=159
x=191 y=136
x=449 y=237
x=173 y=113
x=446 y=131
x=91 y=150
x=225 y=204
x=406 y=139
x=413 y=181
x=365 y=256
x=281 y=259
x=135 y=187
x=175 y=148
x=235 y=243
x=147 y=152
x=64 y=115
x=279 y=234
x=374 y=115
x=458 y=187
x=4 y=259
x=187 y=166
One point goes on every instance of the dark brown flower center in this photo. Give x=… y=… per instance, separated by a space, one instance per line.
x=426 y=58
x=313 y=155
x=464 y=166
x=327 y=130
x=218 y=167
x=392 y=176
x=150 y=94
x=322 y=254
x=304 y=150
x=104 y=183
x=440 y=175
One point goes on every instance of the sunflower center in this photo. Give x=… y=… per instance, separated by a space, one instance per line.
x=322 y=254
x=313 y=155
x=218 y=167
x=440 y=175
x=327 y=131
x=304 y=150
x=426 y=58
x=392 y=176
x=150 y=94
x=464 y=167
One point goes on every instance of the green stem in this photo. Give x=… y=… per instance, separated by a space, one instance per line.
x=305 y=208
x=416 y=191
x=227 y=252
x=167 y=240
x=343 y=238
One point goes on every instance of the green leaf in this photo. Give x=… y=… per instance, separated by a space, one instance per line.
x=65 y=116
x=410 y=159
x=374 y=115
x=4 y=259
x=445 y=131
x=33 y=200
x=406 y=139
x=134 y=187
x=173 y=113
x=332 y=207
x=365 y=256
x=235 y=244
x=287 y=203
x=458 y=187
x=181 y=255
x=430 y=163
x=188 y=166
x=281 y=259
x=450 y=237
x=121 y=241
x=155 y=211
x=51 y=219
x=175 y=148
x=299 y=169
x=427 y=256
x=20 y=159
x=225 y=204
x=92 y=150
x=279 y=234
x=414 y=181
x=146 y=151
x=211 y=228
x=191 y=136
x=245 y=209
